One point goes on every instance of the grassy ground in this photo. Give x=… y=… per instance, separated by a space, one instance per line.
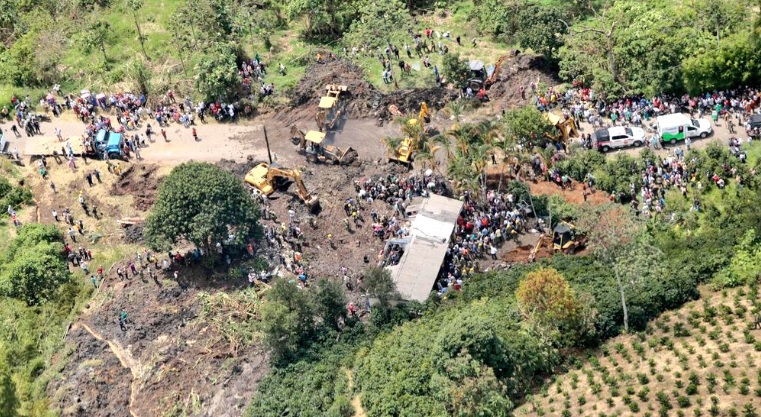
x=84 y=69
x=700 y=360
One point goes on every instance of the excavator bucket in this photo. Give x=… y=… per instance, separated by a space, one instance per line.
x=348 y=156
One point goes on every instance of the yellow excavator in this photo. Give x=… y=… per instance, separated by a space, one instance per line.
x=404 y=152
x=266 y=178
x=564 y=239
x=566 y=127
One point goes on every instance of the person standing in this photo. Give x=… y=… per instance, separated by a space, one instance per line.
x=163 y=134
x=195 y=135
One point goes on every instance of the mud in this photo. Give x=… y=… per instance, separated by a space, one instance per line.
x=516 y=72
x=133 y=233
x=167 y=361
x=141 y=182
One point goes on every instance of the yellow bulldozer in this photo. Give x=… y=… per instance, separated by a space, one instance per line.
x=311 y=143
x=267 y=178
x=331 y=107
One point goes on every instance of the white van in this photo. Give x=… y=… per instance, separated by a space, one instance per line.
x=677 y=126
x=618 y=137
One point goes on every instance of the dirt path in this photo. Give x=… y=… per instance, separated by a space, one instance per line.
x=125 y=358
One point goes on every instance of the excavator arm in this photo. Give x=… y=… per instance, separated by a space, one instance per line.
x=295 y=175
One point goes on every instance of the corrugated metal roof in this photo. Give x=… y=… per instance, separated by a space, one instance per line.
x=430 y=231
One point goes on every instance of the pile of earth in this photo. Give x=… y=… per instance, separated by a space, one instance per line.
x=141 y=182
x=318 y=76
x=520 y=70
x=239 y=169
x=171 y=355
x=362 y=99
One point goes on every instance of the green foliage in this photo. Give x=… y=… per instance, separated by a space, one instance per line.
x=203 y=204
x=330 y=302
x=617 y=174
x=14 y=196
x=476 y=358
x=33 y=268
x=541 y=29
x=455 y=69
x=375 y=22
x=725 y=67
x=527 y=126
x=744 y=268
x=581 y=162
x=9 y=401
x=287 y=320
x=497 y=18
x=650 y=47
x=217 y=73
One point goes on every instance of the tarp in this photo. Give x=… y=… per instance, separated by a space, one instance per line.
x=476 y=65
x=315 y=136
x=327 y=102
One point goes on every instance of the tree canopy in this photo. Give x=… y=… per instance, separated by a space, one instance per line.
x=33 y=267
x=203 y=204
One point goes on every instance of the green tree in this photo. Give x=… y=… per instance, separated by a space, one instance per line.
x=135 y=6
x=527 y=126
x=379 y=285
x=201 y=203
x=541 y=29
x=613 y=232
x=455 y=69
x=96 y=37
x=376 y=21
x=330 y=302
x=217 y=73
x=34 y=268
x=287 y=321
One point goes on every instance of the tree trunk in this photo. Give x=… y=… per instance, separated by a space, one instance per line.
x=623 y=298
x=612 y=57
x=140 y=36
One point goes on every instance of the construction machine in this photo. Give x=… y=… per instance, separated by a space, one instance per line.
x=267 y=178
x=331 y=107
x=404 y=153
x=564 y=239
x=317 y=152
x=298 y=137
x=565 y=125
x=425 y=114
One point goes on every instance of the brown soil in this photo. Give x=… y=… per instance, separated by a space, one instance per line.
x=574 y=196
x=517 y=71
x=141 y=182
x=167 y=360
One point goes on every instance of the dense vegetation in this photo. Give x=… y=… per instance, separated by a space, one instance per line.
x=619 y=47
x=480 y=351
x=37 y=295
x=215 y=208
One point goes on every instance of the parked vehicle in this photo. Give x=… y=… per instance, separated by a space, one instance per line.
x=618 y=137
x=677 y=126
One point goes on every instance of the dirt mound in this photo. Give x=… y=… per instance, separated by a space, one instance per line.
x=133 y=233
x=362 y=99
x=520 y=254
x=238 y=169
x=317 y=76
x=141 y=182
x=521 y=70
x=168 y=360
